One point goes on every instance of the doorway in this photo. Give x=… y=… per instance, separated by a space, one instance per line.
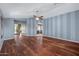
x=20 y=27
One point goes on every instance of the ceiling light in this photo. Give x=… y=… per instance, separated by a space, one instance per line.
x=37 y=18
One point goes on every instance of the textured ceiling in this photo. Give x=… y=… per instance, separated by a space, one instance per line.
x=26 y=10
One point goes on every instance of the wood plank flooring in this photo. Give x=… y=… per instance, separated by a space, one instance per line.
x=28 y=46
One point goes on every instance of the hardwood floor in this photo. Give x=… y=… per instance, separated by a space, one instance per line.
x=29 y=46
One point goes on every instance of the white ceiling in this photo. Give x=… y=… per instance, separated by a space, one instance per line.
x=26 y=10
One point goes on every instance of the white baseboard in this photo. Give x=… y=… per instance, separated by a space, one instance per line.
x=62 y=39
x=8 y=38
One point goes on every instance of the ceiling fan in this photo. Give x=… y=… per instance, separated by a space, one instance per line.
x=37 y=17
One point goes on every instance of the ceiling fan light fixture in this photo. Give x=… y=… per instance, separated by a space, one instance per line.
x=37 y=18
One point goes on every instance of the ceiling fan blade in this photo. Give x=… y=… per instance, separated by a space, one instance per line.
x=41 y=17
x=34 y=16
